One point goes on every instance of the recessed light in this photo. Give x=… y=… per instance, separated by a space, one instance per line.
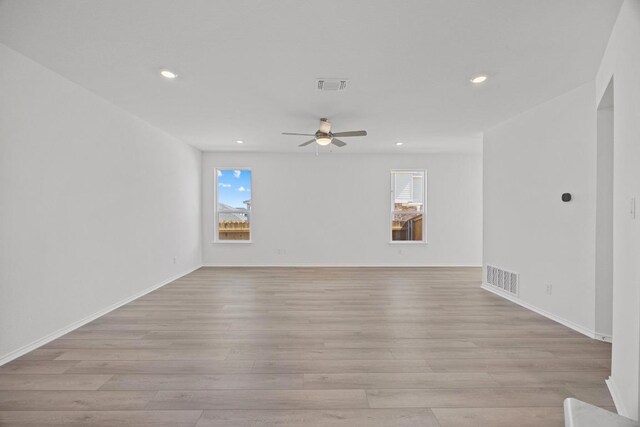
x=399 y=143
x=481 y=78
x=240 y=141
x=167 y=74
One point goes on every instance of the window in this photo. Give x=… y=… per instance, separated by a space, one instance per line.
x=232 y=205
x=408 y=222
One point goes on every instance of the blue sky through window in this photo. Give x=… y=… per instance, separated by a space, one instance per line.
x=234 y=187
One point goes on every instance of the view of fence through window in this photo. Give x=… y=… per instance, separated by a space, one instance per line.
x=233 y=204
x=407 y=205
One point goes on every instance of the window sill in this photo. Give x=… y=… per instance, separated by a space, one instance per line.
x=408 y=242
x=233 y=242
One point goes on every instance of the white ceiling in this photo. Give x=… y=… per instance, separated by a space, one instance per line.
x=248 y=68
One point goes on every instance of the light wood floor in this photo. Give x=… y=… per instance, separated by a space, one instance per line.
x=310 y=347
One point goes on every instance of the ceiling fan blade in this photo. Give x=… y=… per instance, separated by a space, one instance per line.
x=325 y=126
x=307 y=143
x=300 y=134
x=351 y=133
x=336 y=141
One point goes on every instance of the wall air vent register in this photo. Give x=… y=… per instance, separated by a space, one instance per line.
x=502 y=279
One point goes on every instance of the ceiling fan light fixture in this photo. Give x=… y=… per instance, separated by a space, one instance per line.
x=325 y=136
x=323 y=140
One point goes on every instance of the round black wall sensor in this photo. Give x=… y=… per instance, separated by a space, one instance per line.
x=566 y=197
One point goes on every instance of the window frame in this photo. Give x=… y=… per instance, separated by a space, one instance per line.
x=216 y=235
x=424 y=240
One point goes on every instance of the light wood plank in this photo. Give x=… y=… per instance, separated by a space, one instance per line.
x=523 y=365
x=411 y=417
x=422 y=343
x=470 y=353
x=500 y=417
x=472 y=397
x=183 y=344
x=37 y=366
x=52 y=382
x=155 y=354
x=398 y=380
x=74 y=400
x=313 y=354
x=201 y=367
x=260 y=399
x=100 y=418
x=204 y=382
x=339 y=366
x=554 y=379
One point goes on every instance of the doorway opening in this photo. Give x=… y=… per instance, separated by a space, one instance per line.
x=604 y=216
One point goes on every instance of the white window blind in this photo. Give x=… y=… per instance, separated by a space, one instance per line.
x=403 y=187
x=418 y=182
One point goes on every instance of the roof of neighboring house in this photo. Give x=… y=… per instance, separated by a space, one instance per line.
x=237 y=214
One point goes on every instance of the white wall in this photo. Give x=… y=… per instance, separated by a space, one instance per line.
x=622 y=61
x=94 y=204
x=333 y=209
x=529 y=161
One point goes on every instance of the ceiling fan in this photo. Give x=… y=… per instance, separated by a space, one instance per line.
x=324 y=136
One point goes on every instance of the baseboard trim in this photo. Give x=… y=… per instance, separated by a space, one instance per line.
x=342 y=265
x=615 y=395
x=75 y=325
x=568 y=323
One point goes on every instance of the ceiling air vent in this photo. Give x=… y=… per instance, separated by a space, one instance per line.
x=331 y=85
